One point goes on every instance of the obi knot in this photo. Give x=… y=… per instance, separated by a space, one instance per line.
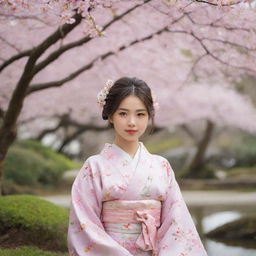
x=147 y=239
x=139 y=217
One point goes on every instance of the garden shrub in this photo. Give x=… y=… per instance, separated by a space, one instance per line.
x=24 y=166
x=29 y=251
x=29 y=163
x=245 y=154
x=60 y=161
x=33 y=221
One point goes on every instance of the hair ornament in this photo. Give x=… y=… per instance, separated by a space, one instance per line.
x=102 y=95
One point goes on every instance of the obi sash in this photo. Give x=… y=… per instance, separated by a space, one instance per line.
x=140 y=217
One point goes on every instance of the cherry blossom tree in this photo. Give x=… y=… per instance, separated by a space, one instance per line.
x=184 y=50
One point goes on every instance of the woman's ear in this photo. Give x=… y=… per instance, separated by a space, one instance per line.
x=110 y=119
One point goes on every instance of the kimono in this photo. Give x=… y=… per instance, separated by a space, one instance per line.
x=124 y=206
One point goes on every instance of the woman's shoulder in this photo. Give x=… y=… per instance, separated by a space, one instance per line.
x=90 y=165
x=100 y=157
x=165 y=165
x=93 y=159
x=161 y=160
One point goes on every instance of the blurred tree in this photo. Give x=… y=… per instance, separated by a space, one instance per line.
x=182 y=42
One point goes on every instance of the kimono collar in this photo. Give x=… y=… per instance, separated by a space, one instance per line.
x=125 y=153
x=112 y=151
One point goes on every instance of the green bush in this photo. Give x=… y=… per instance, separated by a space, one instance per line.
x=28 y=251
x=29 y=163
x=23 y=166
x=33 y=221
x=245 y=154
x=10 y=187
x=60 y=161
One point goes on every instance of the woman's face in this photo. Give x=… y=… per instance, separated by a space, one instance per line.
x=130 y=120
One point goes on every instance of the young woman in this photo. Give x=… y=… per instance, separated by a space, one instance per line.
x=126 y=201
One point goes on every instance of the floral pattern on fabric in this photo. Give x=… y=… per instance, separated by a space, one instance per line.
x=113 y=175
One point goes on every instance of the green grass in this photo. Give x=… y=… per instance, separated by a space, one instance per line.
x=163 y=145
x=28 y=251
x=30 y=219
x=242 y=172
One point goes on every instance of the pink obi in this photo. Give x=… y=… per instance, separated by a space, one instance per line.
x=140 y=217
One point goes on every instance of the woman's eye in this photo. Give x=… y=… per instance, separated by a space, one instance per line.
x=122 y=113
x=141 y=114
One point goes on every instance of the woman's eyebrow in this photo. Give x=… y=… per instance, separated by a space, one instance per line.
x=137 y=110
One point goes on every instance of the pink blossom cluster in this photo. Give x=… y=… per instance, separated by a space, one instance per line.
x=190 y=55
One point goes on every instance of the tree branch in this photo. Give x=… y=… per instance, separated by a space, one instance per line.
x=1 y=113
x=53 y=56
x=58 y=83
x=229 y=43
x=208 y=52
x=64 y=48
x=23 y=17
x=192 y=69
x=37 y=51
x=14 y=58
x=190 y=133
x=47 y=131
x=10 y=44
x=213 y=25
x=63 y=122
x=78 y=132
x=8 y=128
x=216 y=4
x=61 y=32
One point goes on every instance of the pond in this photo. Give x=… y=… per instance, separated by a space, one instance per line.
x=211 y=216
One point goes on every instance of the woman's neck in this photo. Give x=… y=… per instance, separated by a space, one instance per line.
x=129 y=147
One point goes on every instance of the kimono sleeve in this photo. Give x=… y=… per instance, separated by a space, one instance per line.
x=177 y=235
x=86 y=234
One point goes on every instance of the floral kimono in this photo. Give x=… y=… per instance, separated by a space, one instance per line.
x=123 y=206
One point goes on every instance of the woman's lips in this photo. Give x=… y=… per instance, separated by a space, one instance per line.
x=131 y=131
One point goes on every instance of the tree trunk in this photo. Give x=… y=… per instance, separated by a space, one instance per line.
x=8 y=127
x=6 y=137
x=198 y=160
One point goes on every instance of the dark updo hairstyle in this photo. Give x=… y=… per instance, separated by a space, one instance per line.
x=124 y=87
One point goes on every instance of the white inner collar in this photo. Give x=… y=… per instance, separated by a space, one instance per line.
x=136 y=156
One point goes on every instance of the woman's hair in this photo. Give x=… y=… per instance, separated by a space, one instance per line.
x=124 y=87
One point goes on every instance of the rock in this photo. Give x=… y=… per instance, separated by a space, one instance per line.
x=236 y=232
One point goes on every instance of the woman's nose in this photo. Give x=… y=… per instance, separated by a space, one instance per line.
x=131 y=121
